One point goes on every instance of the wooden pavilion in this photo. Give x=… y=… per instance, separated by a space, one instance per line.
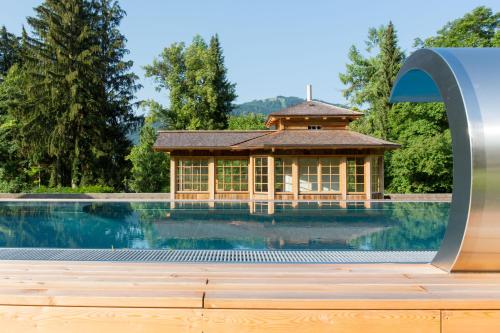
x=309 y=153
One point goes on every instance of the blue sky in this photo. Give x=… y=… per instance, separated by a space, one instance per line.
x=272 y=47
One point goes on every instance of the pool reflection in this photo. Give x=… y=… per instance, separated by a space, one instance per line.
x=224 y=225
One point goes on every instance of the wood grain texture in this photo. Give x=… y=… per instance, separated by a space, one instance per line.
x=319 y=321
x=38 y=296
x=483 y=321
x=33 y=319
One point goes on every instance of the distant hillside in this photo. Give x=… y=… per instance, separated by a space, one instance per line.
x=266 y=106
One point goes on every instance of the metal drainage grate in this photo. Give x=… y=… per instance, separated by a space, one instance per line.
x=217 y=256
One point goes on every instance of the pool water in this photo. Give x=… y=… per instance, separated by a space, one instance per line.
x=224 y=225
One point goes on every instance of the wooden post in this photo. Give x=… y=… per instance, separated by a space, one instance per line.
x=211 y=178
x=381 y=175
x=319 y=171
x=368 y=177
x=173 y=172
x=295 y=178
x=343 y=177
x=270 y=177
x=250 y=180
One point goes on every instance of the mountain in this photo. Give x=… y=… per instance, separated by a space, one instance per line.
x=266 y=106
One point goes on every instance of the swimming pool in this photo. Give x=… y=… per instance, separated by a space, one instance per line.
x=379 y=226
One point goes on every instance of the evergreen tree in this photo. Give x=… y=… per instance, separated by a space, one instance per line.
x=150 y=169
x=83 y=90
x=369 y=80
x=391 y=59
x=223 y=93
x=201 y=97
x=9 y=51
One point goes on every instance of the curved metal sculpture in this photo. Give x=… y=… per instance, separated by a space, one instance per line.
x=468 y=82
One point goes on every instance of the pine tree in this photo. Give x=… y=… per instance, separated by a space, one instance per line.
x=224 y=91
x=84 y=89
x=391 y=58
x=150 y=169
x=9 y=51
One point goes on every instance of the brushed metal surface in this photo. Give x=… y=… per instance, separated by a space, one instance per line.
x=467 y=80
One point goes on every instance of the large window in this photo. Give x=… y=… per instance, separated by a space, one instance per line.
x=283 y=174
x=232 y=175
x=330 y=174
x=192 y=175
x=308 y=174
x=355 y=175
x=375 y=175
x=260 y=174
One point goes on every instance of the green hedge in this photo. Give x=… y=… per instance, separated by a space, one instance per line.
x=83 y=189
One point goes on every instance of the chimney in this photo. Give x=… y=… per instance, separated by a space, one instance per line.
x=309 y=92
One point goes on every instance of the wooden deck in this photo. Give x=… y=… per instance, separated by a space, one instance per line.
x=86 y=297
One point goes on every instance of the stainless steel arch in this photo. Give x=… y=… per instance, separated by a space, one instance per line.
x=467 y=80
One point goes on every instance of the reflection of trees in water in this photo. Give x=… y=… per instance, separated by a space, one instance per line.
x=225 y=226
x=65 y=225
x=418 y=226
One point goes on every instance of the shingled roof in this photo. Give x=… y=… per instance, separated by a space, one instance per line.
x=204 y=139
x=172 y=140
x=316 y=108
x=317 y=139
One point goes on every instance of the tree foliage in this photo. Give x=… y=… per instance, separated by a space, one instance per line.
x=150 y=169
x=369 y=80
x=201 y=96
x=479 y=28
x=249 y=121
x=9 y=51
x=73 y=102
x=424 y=163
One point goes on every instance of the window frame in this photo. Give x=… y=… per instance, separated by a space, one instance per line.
x=286 y=163
x=231 y=167
x=180 y=182
x=356 y=174
x=309 y=174
x=262 y=174
x=375 y=167
x=330 y=174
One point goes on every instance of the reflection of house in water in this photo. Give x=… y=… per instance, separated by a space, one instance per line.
x=249 y=225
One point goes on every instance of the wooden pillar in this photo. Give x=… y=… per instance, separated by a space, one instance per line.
x=319 y=172
x=368 y=177
x=173 y=178
x=250 y=180
x=343 y=177
x=211 y=178
x=295 y=178
x=270 y=177
x=381 y=175
x=270 y=208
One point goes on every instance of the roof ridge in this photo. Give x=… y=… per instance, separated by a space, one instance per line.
x=260 y=136
x=213 y=131
x=336 y=106
x=372 y=137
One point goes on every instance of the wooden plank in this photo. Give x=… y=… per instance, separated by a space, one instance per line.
x=318 y=321
x=484 y=321
x=348 y=300
x=27 y=319
x=55 y=282
x=297 y=284
x=102 y=298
